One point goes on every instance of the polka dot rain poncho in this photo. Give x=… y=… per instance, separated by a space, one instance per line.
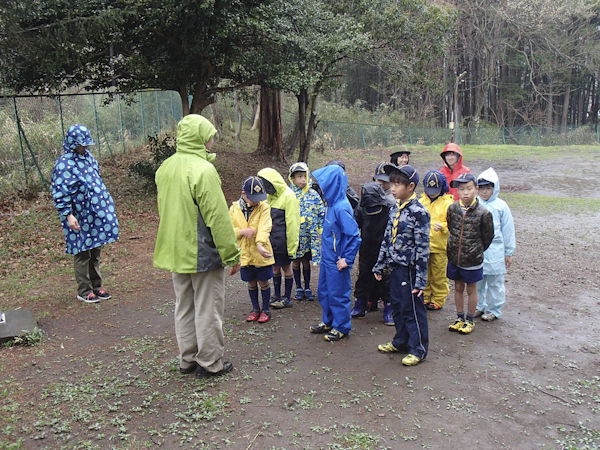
x=78 y=189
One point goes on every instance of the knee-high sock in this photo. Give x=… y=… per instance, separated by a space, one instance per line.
x=254 y=298
x=306 y=270
x=265 y=293
x=289 y=282
x=277 y=285
x=297 y=278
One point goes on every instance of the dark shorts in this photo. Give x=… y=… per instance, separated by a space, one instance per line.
x=251 y=273
x=307 y=255
x=468 y=276
x=281 y=259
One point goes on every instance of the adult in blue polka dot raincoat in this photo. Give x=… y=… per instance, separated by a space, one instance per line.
x=86 y=210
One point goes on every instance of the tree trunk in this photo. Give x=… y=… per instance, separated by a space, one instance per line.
x=256 y=120
x=291 y=140
x=270 y=135
x=307 y=131
x=200 y=102
x=238 y=108
x=567 y=99
x=217 y=117
x=185 y=104
x=549 y=107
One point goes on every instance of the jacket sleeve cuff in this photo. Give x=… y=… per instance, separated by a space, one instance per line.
x=65 y=213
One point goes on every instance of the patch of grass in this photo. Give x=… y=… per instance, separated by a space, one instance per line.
x=28 y=339
x=578 y=438
x=431 y=153
x=356 y=439
x=535 y=204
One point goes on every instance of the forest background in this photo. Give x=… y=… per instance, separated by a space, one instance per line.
x=476 y=63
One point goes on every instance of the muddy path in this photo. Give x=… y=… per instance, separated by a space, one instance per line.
x=107 y=376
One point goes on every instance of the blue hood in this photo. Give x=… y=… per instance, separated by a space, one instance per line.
x=333 y=182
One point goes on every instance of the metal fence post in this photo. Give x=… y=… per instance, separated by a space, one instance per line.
x=121 y=121
x=62 y=124
x=597 y=135
x=503 y=137
x=142 y=113
x=20 y=140
x=388 y=136
x=172 y=107
x=435 y=138
x=332 y=139
x=410 y=136
x=362 y=132
x=157 y=114
x=97 y=131
x=539 y=140
x=571 y=135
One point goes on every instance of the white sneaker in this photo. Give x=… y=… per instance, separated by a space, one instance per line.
x=90 y=298
x=478 y=313
x=489 y=317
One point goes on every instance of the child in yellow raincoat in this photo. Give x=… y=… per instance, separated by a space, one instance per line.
x=437 y=201
x=251 y=217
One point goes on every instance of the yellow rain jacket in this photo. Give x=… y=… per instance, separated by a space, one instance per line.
x=285 y=213
x=438 y=240
x=260 y=220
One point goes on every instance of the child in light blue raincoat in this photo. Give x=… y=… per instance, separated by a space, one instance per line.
x=86 y=210
x=498 y=256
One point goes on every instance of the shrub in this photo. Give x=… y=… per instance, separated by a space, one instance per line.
x=160 y=149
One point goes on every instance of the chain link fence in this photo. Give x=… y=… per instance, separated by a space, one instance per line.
x=332 y=134
x=32 y=129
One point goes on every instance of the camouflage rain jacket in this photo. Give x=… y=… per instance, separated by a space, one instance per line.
x=410 y=246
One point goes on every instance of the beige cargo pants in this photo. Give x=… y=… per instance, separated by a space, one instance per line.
x=199 y=308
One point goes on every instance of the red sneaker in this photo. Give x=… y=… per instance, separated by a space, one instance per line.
x=265 y=316
x=253 y=317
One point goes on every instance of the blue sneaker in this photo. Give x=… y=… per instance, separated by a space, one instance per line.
x=308 y=295
x=299 y=294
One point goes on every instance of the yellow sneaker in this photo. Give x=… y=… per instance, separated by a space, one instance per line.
x=467 y=327
x=457 y=325
x=411 y=360
x=387 y=348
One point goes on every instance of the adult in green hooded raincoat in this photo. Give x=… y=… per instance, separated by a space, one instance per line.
x=195 y=240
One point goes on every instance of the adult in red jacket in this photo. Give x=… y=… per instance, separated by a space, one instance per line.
x=453 y=166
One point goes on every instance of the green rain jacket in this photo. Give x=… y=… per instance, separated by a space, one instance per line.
x=285 y=213
x=195 y=233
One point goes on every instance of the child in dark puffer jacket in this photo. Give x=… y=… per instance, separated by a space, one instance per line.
x=471 y=228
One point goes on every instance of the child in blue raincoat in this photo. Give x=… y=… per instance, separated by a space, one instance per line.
x=340 y=241
x=86 y=210
x=498 y=257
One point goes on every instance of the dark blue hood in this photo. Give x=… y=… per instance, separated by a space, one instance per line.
x=333 y=182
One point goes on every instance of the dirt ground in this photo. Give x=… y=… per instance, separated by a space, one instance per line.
x=106 y=376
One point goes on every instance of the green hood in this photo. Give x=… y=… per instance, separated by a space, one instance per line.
x=275 y=178
x=193 y=131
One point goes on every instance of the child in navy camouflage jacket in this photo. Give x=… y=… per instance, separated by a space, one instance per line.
x=405 y=251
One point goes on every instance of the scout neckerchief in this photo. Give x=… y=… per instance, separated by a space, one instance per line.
x=246 y=208
x=464 y=208
x=397 y=217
